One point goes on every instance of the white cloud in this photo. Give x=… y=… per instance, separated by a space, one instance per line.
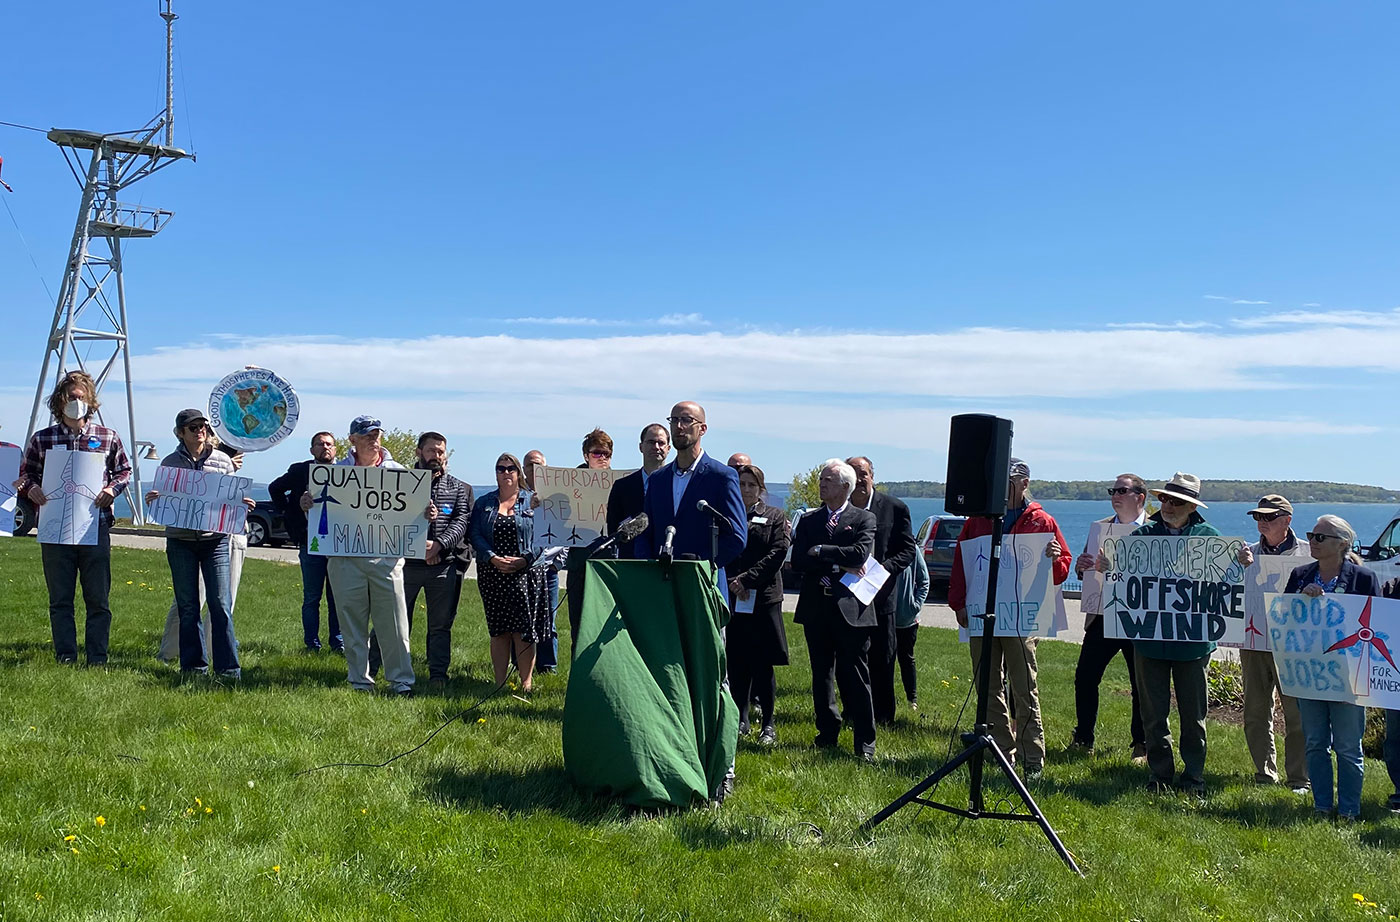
x=1390 y=318
x=682 y=320
x=1178 y=325
x=564 y=321
x=1232 y=300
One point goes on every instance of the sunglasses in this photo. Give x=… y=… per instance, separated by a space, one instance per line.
x=1267 y=516
x=1122 y=491
x=196 y=427
x=1319 y=536
x=600 y=454
x=507 y=469
x=1171 y=500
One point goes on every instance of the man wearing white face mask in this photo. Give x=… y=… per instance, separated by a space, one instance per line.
x=73 y=403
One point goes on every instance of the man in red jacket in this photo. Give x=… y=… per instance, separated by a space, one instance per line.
x=1013 y=656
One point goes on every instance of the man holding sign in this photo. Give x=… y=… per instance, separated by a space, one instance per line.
x=72 y=404
x=1013 y=655
x=368 y=522
x=200 y=550
x=1274 y=518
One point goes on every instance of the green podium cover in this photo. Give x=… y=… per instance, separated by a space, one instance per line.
x=645 y=719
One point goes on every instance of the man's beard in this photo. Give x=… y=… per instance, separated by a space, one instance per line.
x=682 y=442
x=434 y=465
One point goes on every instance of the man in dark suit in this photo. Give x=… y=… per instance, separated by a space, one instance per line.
x=286 y=493
x=627 y=497
x=894 y=550
x=673 y=493
x=830 y=541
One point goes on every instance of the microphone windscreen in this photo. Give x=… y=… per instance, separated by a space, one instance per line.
x=633 y=527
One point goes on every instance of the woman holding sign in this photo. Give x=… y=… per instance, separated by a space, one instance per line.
x=192 y=553
x=1333 y=726
x=503 y=536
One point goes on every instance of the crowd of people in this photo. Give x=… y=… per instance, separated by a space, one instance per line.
x=855 y=648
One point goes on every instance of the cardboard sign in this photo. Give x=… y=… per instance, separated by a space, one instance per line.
x=1091 y=594
x=200 y=500
x=72 y=480
x=1336 y=647
x=368 y=511
x=1026 y=591
x=573 y=504
x=1175 y=588
x=10 y=457
x=1268 y=574
x=253 y=409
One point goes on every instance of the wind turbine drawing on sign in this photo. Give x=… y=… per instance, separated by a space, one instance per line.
x=324 y=501
x=548 y=535
x=1364 y=635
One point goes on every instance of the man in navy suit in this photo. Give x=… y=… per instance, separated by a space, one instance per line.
x=830 y=541
x=673 y=493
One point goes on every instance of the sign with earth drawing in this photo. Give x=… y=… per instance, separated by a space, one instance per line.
x=253 y=409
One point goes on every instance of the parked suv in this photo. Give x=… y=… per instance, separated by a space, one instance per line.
x=265 y=526
x=937 y=537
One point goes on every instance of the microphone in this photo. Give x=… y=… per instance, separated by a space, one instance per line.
x=667 y=554
x=703 y=506
x=627 y=532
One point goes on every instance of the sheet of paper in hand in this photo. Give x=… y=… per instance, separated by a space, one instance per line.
x=201 y=500
x=868 y=584
x=573 y=504
x=1268 y=574
x=10 y=456
x=368 y=511
x=1091 y=596
x=1026 y=587
x=1336 y=647
x=72 y=480
x=1175 y=588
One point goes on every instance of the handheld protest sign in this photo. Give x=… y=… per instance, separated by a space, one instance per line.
x=1336 y=647
x=253 y=409
x=1027 y=597
x=1187 y=588
x=573 y=504
x=368 y=511
x=72 y=480
x=10 y=456
x=200 y=500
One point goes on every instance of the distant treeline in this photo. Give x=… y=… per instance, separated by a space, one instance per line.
x=1220 y=491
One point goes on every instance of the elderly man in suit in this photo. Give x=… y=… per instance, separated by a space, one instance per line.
x=895 y=549
x=829 y=542
x=674 y=492
x=627 y=497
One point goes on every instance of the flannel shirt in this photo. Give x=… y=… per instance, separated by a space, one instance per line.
x=91 y=437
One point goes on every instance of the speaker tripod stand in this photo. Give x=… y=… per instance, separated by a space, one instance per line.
x=979 y=744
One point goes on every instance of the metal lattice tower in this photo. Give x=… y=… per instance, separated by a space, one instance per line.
x=85 y=315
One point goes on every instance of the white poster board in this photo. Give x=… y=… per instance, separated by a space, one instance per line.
x=10 y=457
x=1091 y=595
x=573 y=504
x=72 y=480
x=1336 y=647
x=1174 y=588
x=1026 y=592
x=200 y=500
x=368 y=511
x=1268 y=574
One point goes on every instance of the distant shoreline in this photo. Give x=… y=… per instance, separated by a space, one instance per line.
x=1219 y=491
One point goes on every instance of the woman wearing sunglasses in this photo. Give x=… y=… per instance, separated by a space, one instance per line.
x=1333 y=726
x=503 y=536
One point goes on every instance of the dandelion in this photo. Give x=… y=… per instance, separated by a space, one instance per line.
x=364 y=812
x=189 y=811
x=1358 y=897
x=947 y=684
x=225 y=726
x=32 y=727
x=198 y=802
x=69 y=838
x=128 y=582
x=277 y=869
x=73 y=850
x=208 y=810
x=100 y=821
x=480 y=721
x=38 y=895
x=143 y=808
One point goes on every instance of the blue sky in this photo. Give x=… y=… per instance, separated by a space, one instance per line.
x=1157 y=238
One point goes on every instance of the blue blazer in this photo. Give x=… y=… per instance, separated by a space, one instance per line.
x=484 y=515
x=711 y=481
x=1351 y=579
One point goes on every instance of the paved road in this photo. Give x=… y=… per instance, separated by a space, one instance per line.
x=935 y=614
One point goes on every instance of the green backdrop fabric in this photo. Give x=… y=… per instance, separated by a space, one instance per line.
x=645 y=719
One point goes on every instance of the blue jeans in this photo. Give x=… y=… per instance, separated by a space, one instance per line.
x=547 y=654
x=188 y=560
x=1392 y=753
x=1334 y=726
x=64 y=565
x=313 y=579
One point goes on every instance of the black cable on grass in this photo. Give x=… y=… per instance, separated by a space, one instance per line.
x=443 y=726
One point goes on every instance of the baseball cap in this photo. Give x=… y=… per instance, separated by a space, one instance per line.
x=1272 y=502
x=364 y=425
x=185 y=417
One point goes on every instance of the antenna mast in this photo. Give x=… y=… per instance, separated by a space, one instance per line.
x=86 y=319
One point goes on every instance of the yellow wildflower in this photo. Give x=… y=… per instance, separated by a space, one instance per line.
x=208 y=810
x=69 y=838
x=277 y=869
x=100 y=821
x=1358 y=897
x=73 y=850
x=480 y=721
x=143 y=808
x=198 y=802
x=38 y=895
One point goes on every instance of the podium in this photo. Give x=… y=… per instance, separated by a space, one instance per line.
x=646 y=721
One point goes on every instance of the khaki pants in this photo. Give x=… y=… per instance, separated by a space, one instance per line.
x=170 y=640
x=1013 y=657
x=1156 y=678
x=1260 y=679
x=370 y=590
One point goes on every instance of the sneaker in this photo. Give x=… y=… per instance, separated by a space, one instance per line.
x=768 y=736
x=1078 y=745
x=1191 y=786
x=744 y=728
x=1139 y=754
x=1393 y=805
x=404 y=693
x=913 y=704
x=1303 y=790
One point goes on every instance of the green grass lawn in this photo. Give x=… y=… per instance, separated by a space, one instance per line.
x=201 y=815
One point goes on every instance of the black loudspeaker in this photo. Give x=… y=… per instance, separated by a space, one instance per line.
x=979 y=460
